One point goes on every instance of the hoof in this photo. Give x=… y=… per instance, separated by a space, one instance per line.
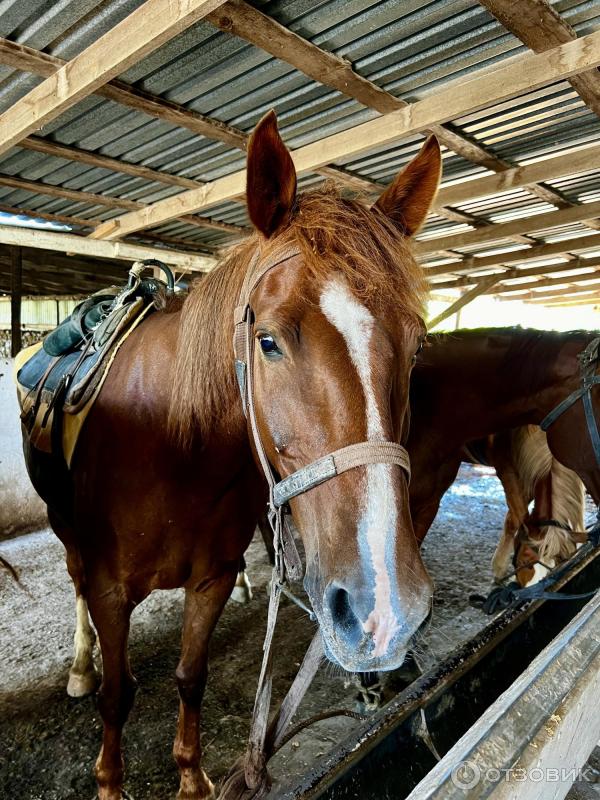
x=82 y=685
x=192 y=788
x=242 y=591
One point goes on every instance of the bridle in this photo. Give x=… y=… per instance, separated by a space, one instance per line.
x=319 y=471
x=287 y=561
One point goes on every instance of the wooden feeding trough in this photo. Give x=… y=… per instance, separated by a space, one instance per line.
x=517 y=701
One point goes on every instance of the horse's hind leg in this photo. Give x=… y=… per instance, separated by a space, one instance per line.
x=83 y=678
x=202 y=610
x=111 y=612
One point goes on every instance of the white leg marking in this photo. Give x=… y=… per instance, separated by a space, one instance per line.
x=242 y=591
x=82 y=676
x=379 y=515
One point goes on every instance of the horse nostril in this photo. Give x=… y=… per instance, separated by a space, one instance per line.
x=339 y=605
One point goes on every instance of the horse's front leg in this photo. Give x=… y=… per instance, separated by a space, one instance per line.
x=202 y=610
x=111 y=612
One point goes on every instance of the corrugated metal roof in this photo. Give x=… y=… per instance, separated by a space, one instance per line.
x=411 y=48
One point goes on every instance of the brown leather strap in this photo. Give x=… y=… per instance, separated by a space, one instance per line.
x=250 y=779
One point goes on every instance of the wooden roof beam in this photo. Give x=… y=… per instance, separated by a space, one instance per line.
x=584 y=160
x=79 y=196
x=124 y=251
x=485 y=88
x=504 y=230
x=563 y=247
x=143 y=31
x=539 y=26
x=553 y=292
x=578 y=263
x=243 y=20
x=27 y=59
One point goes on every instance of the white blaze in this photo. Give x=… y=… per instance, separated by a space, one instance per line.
x=378 y=515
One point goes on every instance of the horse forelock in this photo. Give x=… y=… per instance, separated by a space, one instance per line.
x=335 y=235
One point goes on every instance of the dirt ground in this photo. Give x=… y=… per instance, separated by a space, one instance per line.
x=49 y=741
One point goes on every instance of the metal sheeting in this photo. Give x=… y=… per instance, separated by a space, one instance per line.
x=411 y=48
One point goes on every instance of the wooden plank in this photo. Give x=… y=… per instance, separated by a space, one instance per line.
x=525 y=272
x=583 y=160
x=240 y=19
x=538 y=25
x=16 y=289
x=69 y=243
x=562 y=292
x=585 y=300
x=484 y=285
x=504 y=230
x=546 y=720
x=79 y=196
x=142 y=32
x=520 y=75
x=57 y=150
x=518 y=256
x=63 y=219
x=27 y=59
x=576 y=277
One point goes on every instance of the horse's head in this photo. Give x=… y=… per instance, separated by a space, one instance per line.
x=337 y=327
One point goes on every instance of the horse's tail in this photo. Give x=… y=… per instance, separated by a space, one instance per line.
x=535 y=461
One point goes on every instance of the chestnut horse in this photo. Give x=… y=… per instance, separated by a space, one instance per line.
x=164 y=488
x=529 y=472
x=471 y=383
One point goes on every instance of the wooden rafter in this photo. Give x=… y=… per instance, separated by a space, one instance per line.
x=243 y=20
x=470 y=295
x=565 y=291
x=142 y=32
x=516 y=256
x=27 y=59
x=525 y=272
x=576 y=277
x=584 y=160
x=57 y=150
x=484 y=89
x=539 y=26
x=69 y=243
x=567 y=300
x=79 y=196
x=503 y=230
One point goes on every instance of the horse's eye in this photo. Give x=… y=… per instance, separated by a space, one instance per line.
x=420 y=347
x=268 y=345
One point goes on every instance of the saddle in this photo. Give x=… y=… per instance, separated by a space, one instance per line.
x=59 y=378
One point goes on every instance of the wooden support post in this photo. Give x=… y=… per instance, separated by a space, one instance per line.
x=16 y=288
x=462 y=301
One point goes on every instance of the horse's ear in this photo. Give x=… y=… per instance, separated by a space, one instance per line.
x=407 y=200
x=270 y=178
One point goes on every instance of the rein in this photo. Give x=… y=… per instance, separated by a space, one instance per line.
x=249 y=777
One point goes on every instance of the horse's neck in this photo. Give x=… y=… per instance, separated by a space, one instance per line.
x=481 y=390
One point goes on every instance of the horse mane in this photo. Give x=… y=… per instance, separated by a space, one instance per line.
x=534 y=461
x=334 y=235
